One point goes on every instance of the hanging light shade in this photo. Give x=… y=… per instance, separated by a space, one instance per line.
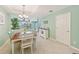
x=20 y=16
x=23 y=16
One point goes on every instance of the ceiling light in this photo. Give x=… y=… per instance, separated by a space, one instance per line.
x=23 y=16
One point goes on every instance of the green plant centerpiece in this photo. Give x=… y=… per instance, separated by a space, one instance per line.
x=15 y=23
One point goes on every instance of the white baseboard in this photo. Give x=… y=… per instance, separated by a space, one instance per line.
x=4 y=44
x=75 y=48
x=5 y=48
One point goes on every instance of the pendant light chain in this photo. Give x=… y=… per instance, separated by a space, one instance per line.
x=23 y=9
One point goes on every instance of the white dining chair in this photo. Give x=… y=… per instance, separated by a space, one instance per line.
x=27 y=41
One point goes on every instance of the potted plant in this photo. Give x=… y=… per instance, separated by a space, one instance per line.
x=14 y=23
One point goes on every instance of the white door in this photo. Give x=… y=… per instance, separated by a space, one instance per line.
x=63 y=28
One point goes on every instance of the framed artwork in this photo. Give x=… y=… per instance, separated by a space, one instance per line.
x=2 y=18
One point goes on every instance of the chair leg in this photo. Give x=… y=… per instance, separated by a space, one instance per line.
x=12 y=48
x=31 y=49
x=22 y=51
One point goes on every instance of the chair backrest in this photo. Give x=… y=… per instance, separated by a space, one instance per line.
x=27 y=39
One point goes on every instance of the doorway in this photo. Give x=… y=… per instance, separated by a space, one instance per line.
x=63 y=28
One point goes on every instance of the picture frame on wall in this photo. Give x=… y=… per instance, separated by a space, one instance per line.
x=2 y=18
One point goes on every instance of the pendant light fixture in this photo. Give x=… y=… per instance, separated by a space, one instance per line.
x=23 y=15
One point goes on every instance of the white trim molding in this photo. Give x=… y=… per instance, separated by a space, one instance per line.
x=74 y=48
x=68 y=46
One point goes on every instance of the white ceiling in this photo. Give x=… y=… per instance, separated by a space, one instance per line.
x=44 y=9
x=33 y=10
x=18 y=9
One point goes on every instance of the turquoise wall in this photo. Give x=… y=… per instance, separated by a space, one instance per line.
x=4 y=28
x=74 y=23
